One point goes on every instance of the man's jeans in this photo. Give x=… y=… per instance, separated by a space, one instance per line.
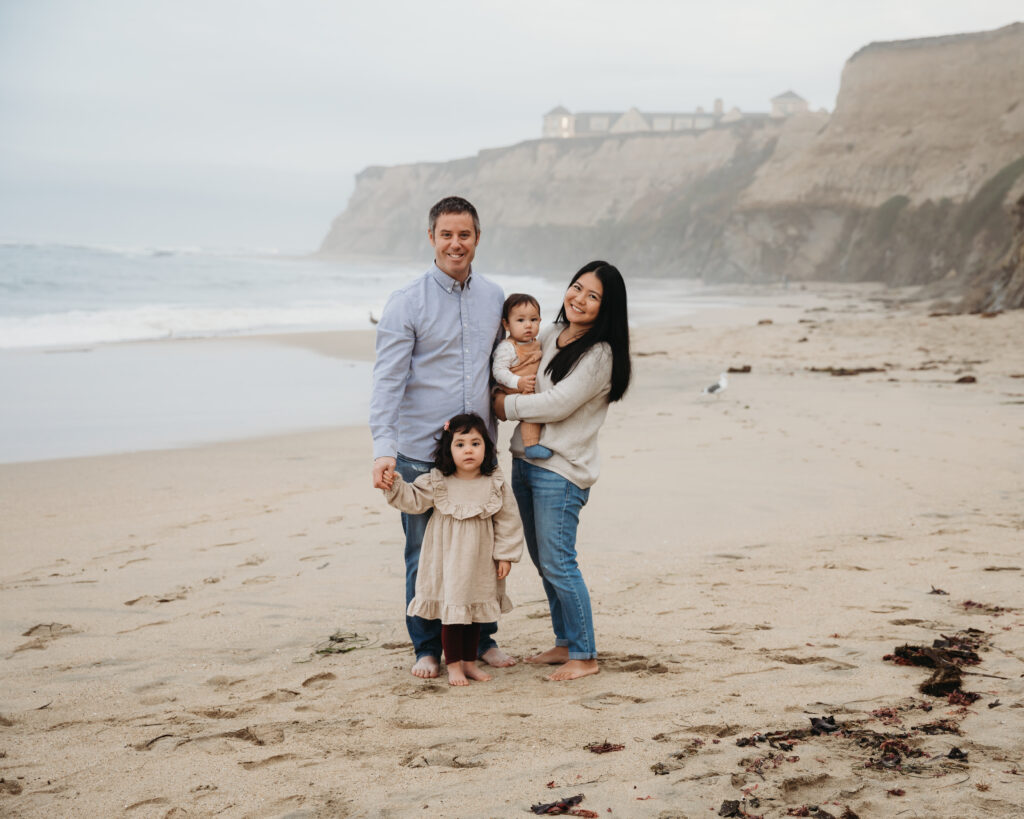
x=425 y=634
x=550 y=508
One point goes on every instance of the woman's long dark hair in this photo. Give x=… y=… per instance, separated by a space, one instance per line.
x=612 y=325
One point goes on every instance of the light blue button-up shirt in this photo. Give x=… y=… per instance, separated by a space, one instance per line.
x=434 y=344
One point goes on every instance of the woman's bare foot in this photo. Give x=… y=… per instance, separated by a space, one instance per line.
x=574 y=669
x=474 y=673
x=426 y=667
x=496 y=658
x=553 y=656
x=456 y=675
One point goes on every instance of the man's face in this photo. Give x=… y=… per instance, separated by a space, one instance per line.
x=454 y=240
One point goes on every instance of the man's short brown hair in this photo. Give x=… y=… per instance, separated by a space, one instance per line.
x=453 y=204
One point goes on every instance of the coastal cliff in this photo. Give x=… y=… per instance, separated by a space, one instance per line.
x=910 y=180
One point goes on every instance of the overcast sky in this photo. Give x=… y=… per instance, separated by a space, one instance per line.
x=241 y=123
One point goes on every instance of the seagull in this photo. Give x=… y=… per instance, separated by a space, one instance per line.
x=372 y=319
x=718 y=386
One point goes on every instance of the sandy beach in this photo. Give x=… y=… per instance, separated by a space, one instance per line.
x=752 y=557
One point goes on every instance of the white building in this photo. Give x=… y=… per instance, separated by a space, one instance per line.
x=562 y=123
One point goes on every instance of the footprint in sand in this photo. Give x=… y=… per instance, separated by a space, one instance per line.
x=159 y=800
x=216 y=712
x=156 y=698
x=444 y=756
x=789 y=659
x=711 y=729
x=411 y=725
x=256 y=734
x=633 y=662
x=221 y=743
x=221 y=681
x=799 y=783
x=416 y=691
x=281 y=695
x=738 y=628
x=254 y=560
x=608 y=699
x=160 y=740
x=319 y=680
x=45 y=633
x=270 y=760
x=179 y=593
x=258 y=581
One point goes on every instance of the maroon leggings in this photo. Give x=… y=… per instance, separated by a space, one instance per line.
x=460 y=641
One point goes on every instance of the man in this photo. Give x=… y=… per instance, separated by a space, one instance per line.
x=434 y=344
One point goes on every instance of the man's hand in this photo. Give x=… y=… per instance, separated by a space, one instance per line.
x=527 y=384
x=504 y=567
x=383 y=473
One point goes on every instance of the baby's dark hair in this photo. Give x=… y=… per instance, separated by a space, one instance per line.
x=466 y=422
x=514 y=301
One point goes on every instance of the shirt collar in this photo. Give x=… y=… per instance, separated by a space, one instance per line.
x=447 y=282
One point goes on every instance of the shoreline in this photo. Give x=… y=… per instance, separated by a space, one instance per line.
x=235 y=387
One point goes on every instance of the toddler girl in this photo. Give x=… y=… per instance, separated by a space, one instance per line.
x=516 y=359
x=472 y=538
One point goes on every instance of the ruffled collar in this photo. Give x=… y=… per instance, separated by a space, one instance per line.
x=462 y=511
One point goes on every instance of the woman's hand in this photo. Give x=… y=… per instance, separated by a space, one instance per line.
x=504 y=567
x=499 y=406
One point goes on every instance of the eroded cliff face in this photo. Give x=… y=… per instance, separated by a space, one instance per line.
x=549 y=205
x=909 y=181
x=1001 y=287
x=912 y=178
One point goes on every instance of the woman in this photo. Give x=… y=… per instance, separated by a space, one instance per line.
x=585 y=366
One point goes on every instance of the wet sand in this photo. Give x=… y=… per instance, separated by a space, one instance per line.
x=752 y=557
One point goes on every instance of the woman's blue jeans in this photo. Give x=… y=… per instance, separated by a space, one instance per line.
x=550 y=508
x=425 y=634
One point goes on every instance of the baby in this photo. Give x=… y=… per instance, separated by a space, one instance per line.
x=517 y=358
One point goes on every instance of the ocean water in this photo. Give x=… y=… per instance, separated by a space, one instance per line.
x=79 y=374
x=61 y=295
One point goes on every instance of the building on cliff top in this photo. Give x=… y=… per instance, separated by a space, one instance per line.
x=560 y=122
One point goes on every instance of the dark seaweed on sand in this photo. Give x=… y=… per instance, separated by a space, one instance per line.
x=558 y=807
x=603 y=747
x=946 y=656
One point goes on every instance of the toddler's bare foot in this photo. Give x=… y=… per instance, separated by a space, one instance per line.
x=456 y=675
x=496 y=658
x=426 y=667
x=474 y=673
x=553 y=656
x=574 y=669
